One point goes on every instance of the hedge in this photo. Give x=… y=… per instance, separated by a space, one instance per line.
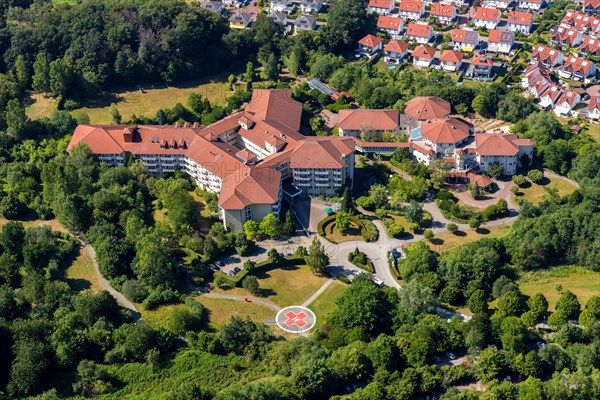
x=324 y=221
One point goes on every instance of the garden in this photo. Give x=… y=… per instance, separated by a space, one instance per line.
x=345 y=227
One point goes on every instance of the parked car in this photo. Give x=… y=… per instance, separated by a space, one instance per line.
x=541 y=345
x=451 y=355
x=220 y=263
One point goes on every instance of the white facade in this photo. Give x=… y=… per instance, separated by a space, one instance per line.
x=485 y=23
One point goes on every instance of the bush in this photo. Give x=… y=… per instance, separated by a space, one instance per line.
x=495 y=211
x=452 y=228
x=157 y=298
x=371 y=233
x=395 y=230
x=428 y=234
x=519 y=180
x=343 y=279
x=324 y=221
x=134 y=290
x=535 y=176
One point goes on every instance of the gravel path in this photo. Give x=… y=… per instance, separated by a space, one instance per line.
x=318 y=292
x=263 y=302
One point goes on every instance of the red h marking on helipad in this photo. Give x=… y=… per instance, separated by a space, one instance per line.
x=295 y=319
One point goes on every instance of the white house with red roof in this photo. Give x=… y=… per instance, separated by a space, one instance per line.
x=353 y=122
x=590 y=45
x=423 y=56
x=392 y=25
x=500 y=41
x=594 y=108
x=445 y=135
x=481 y=67
x=443 y=13
x=381 y=7
x=548 y=56
x=451 y=60
x=504 y=150
x=582 y=22
x=281 y=5
x=519 y=21
x=578 y=68
x=311 y=6
x=370 y=45
x=536 y=79
x=591 y=6
x=502 y=4
x=395 y=52
x=420 y=33
x=487 y=18
x=533 y=5
x=550 y=96
x=566 y=102
x=464 y=39
x=411 y=9
x=565 y=36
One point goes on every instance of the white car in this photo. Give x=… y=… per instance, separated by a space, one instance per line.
x=541 y=345
x=451 y=356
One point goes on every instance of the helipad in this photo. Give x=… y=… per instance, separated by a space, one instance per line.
x=296 y=319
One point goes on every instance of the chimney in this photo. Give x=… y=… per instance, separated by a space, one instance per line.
x=177 y=124
x=195 y=125
x=186 y=124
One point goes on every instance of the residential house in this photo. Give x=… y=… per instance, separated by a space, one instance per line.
x=381 y=7
x=457 y=3
x=443 y=136
x=305 y=23
x=578 y=68
x=550 y=96
x=591 y=7
x=500 y=41
x=395 y=52
x=590 y=45
x=241 y=19
x=566 y=103
x=451 y=60
x=392 y=25
x=279 y=17
x=423 y=56
x=420 y=33
x=581 y=22
x=423 y=108
x=355 y=121
x=487 y=18
x=533 y=5
x=281 y=5
x=411 y=9
x=212 y=6
x=536 y=79
x=370 y=45
x=481 y=67
x=502 y=4
x=443 y=13
x=547 y=55
x=464 y=39
x=519 y=21
x=505 y=150
x=594 y=107
x=311 y=6
x=565 y=36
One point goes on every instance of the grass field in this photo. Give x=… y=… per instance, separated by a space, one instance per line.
x=131 y=101
x=290 y=285
x=594 y=132
x=535 y=192
x=221 y=310
x=446 y=240
x=335 y=236
x=582 y=282
x=52 y=223
x=81 y=275
x=325 y=303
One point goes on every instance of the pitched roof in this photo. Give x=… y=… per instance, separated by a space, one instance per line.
x=482 y=60
x=519 y=18
x=322 y=152
x=442 y=10
x=570 y=97
x=419 y=30
x=464 y=36
x=498 y=36
x=578 y=64
x=427 y=107
x=395 y=46
x=490 y=144
x=410 y=6
x=487 y=14
x=594 y=103
x=448 y=130
x=250 y=186
x=379 y=120
x=451 y=56
x=566 y=34
x=275 y=105
x=370 y=41
x=422 y=51
x=590 y=45
x=544 y=53
x=381 y=4
x=389 y=22
x=581 y=21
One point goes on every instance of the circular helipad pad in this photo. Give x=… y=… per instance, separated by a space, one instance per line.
x=296 y=319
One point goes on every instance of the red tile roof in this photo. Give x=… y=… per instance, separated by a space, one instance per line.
x=490 y=144
x=591 y=3
x=422 y=51
x=519 y=18
x=451 y=56
x=427 y=107
x=498 y=36
x=276 y=105
x=395 y=46
x=568 y=96
x=581 y=21
x=578 y=64
x=388 y=4
x=448 y=130
x=544 y=53
x=419 y=30
x=565 y=34
x=379 y=120
x=590 y=45
x=487 y=14
x=464 y=36
x=410 y=6
x=250 y=186
x=388 y=22
x=370 y=41
x=594 y=103
x=482 y=60
x=442 y=10
x=322 y=152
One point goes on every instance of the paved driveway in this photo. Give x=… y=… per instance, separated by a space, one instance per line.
x=309 y=212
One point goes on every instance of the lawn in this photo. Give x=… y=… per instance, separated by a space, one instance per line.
x=158 y=318
x=132 y=101
x=52 y=223
x=535 y=193
x=581 y=281
x=447 y=240
x=325 y=303
x=221 y=310
x=335 y=236
x=81 y=274
x=594 y=132
x=284 y=286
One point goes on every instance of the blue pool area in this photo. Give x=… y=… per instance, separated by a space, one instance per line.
x=415 y=133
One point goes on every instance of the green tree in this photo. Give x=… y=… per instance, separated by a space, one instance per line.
x=511 y=304
x=342 y=221
x=289 y=225
x=41 y=73
x=495 y=170
x=519 y=180
x=270 y=226
x=569 y=305
x=474 y=223
x=489 y=365
x=114 y=114
x=21 y=72
x=317 y=259
x=414 y=212
x=558 y=155
x=512 y=334
x=154 y=263
x=250 y=283
x=293 y=61
x=195 y=103
x=528 y=364
x=453 y=228
x=252 y=229
x=477 y=302
x=249 y=75
x=271 y=68
x=16 y=119
x=535 y=175
x=428 y=234
x=347 y=203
